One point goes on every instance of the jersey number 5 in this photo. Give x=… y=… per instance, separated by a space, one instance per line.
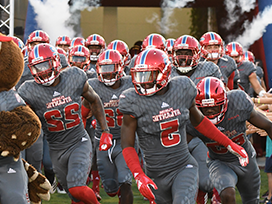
x=169 y=133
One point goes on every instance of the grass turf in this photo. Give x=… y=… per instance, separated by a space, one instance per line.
x=138 y=198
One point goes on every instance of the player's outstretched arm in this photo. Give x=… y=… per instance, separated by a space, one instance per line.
x=205 y=127
x=144 y=183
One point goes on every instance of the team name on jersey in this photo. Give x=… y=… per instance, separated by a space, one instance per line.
x=111 y=103
x=165 y=114
x=230 y=133
x=58 y=101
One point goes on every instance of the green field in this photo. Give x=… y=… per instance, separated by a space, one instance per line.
x=138 y=199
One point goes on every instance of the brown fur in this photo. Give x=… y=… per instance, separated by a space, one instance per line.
x=20 y=127
x=34 y=187
x=11 y=65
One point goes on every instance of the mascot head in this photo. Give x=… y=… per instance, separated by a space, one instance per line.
x=11 y=63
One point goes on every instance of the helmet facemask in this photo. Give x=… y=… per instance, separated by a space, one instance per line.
x=148 y=82
x=79 y=61
x=213 y=53
x=95 y=50
x=109 y=73
x=219 y=115
x=45 y=72
x=185 y=62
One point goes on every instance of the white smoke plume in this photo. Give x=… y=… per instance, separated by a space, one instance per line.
x=51 y=16
x=57 y=18
x=256 y=28
x=75 y=11
x=235 y=8
x=166 y=25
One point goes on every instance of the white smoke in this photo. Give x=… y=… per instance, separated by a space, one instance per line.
x=256 y=28
x=236 y=9
x=166 y=25
x=75 y=10
x=51 y=16
x=57 y=18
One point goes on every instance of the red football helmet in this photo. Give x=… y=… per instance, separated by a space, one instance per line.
x=154 y=41
x=77 y=41
x=185 y=63
x=79 y=56
x=63 y=40
x=96 y=44
x=122 y=48
x=37 y=36
x=109 y=67
x=211 y=92
x=44 y=63
x=169 y=46
x=18 y=42
x=235 y=49
x=151 y=72
x=248 y=56
x=208 y=39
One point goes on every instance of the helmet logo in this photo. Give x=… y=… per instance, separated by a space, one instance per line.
x=208 y=102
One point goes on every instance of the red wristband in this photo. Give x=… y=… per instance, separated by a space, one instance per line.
x=132 y=160
x=209 y=130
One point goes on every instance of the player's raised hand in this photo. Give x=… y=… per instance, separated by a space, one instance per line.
x=105 y=141
x=240 y=152
x=143 y=184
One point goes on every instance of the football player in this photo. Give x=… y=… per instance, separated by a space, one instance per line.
x=96 y=45
x=186 y=55
x=122 y=48
x=153 y=40
x=79 y=56
x=109 y=84
x=246 y=69
x=249 y=56
x=158 y=109
x=212 y=49
x=56 y=99
x=63 y=42
x=229 y=111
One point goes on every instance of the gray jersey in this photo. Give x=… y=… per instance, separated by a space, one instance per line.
x=110 y=100
x=246 y=68
x=161 y=124
x=202 y=70
x=91 y=72
x=226 y=65
x=13 y=187
x=259 y=72
x=59 y=107
x=25 y=76
x=233 y=125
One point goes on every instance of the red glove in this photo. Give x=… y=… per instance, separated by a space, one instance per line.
x=240 y=152
x=105 y=141
x=94 y=123
x=143 y=184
